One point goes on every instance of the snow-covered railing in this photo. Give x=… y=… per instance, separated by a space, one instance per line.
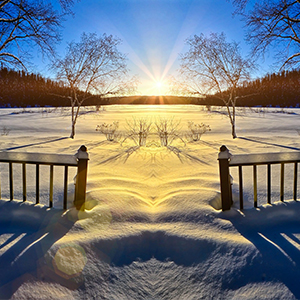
x=226 y=160
x=79 y=160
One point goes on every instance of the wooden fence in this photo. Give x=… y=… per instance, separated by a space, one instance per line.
x=79 y=160
x=226 y=160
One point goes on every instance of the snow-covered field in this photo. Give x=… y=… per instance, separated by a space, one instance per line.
x=150 y=230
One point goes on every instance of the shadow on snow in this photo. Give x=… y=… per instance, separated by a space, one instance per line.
x=274 y=230
x=32 y=230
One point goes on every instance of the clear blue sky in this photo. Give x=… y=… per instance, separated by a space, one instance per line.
x=153 y=31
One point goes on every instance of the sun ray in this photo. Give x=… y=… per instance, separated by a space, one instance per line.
x=157 y=64
x=189 y=26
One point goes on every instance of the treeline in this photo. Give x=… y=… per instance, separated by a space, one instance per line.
x=154 y=100
x=276 y=89
x=22 y=89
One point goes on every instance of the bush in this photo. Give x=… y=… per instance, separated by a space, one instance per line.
x=167 y=130
x=196 y=130
x=5 y=131
x=138 y=130
x=109 y=130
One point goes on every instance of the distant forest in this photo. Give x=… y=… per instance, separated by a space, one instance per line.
x=21 y=89
x=277 y=89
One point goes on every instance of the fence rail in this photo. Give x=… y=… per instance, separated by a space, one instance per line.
x=226 y=160
x=79 y=160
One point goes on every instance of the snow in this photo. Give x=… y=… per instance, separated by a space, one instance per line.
x=152 y=228
x=264 y=158
x=38 y=158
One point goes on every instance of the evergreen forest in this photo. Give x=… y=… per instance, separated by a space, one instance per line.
x=22 y=89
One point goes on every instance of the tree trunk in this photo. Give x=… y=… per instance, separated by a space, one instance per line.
x=231 y=115
x=72 y=135
x=73 y=122
x=234 y=136
x=74 y=116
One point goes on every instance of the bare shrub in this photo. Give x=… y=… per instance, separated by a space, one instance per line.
x=208 y=107
x=197 y=130
x=47 y=110
x=138 y=131
x=168 y=131
x=99 y=108
x=5 y=130
x=109 y=130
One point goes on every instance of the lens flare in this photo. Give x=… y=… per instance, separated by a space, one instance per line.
x=69 y=261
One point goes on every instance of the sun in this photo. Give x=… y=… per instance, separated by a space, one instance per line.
x=158 y=88
x=158 y=84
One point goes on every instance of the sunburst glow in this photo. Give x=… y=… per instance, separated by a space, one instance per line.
x=158 y=88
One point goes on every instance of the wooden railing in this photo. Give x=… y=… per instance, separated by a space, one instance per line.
x=79 y=160
x=226 y=160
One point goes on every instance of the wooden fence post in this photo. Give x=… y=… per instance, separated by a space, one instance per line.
x=81 y=177
x=225 y=180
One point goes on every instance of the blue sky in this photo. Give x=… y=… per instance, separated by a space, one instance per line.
x=153 y=31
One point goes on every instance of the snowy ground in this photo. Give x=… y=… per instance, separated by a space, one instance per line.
x=150 y=230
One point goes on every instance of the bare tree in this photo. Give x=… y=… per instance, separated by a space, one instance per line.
x=138 y=131
x=24 y=23
x=214 y=66
x=274 y=24
x=168 y=131
x=93 y=66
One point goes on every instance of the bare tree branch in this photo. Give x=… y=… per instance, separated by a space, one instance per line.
x=214 y=66
x=94 y=66
x=3 y=3
x=27 y=23
x=274 y=24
